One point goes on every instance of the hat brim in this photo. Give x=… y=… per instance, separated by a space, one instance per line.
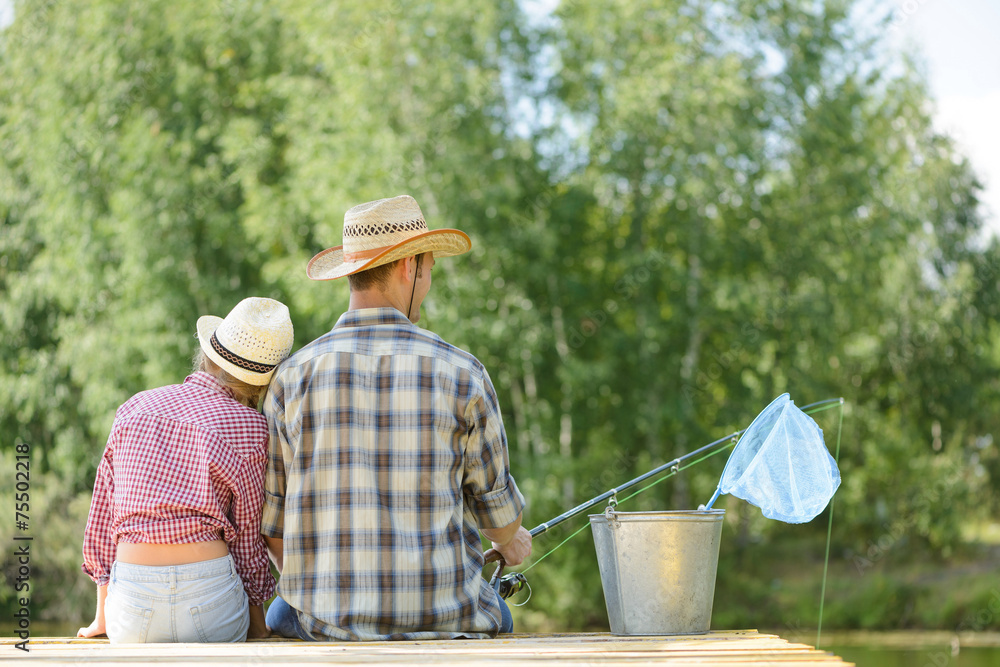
x=330 y=264
x=207 y=324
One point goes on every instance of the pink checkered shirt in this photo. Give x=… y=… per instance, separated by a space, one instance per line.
x=184 y=463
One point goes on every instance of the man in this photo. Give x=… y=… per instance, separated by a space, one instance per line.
x=388 y=456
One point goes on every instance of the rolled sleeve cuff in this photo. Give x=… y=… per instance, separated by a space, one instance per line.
x=261 y=593
x=99 y=579
x=500 y=507
x=272 y=521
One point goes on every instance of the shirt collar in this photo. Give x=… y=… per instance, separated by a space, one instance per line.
x=208 y=381
x=366 y=317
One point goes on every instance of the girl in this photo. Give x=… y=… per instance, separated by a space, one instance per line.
x=173 y=536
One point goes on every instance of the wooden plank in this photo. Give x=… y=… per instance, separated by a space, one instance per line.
x=599 y=639
x=721 y=647
x=210 y=661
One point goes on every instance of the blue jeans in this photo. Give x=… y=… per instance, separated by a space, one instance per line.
x=198 y=602
x=283 y=620
x=506 y=620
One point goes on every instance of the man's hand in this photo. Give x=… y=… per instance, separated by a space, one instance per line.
x=517 y=550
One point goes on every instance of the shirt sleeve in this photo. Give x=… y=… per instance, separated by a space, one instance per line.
x=489 y=486
x=248 y=549
x=273 y=520
x=98 y=541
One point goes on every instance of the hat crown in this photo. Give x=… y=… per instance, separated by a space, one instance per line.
x=383 y=231
x=258 y=330
x=382 y=223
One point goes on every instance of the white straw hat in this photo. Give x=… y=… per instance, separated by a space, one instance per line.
x=254 y=338
x=382 y=231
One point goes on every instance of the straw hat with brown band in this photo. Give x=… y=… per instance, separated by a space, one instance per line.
x=382 y=231
x=251 y=341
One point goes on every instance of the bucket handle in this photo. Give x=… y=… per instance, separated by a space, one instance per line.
x=610 y=515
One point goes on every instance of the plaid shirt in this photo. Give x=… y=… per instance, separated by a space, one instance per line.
x=387 y=455
x=184 y=463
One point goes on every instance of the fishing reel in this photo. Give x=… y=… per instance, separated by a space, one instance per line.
x=510 y=584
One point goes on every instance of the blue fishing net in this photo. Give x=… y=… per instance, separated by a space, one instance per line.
x=782 y=465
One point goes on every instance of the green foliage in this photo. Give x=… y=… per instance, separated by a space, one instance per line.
x=59 y=591
x=878 y=600
x=679 y=208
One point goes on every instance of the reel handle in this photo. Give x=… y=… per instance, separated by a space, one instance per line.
x=504 y=585
x=495 y=556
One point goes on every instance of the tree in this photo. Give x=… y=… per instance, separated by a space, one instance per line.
x=679 y=210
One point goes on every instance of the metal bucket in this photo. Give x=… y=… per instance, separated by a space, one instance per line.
x=658 y=569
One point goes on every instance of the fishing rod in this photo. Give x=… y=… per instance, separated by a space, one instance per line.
x=507 y=585
x=611 y=493
x=512 y=583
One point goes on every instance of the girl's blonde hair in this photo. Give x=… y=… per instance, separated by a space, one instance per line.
x=247 y=394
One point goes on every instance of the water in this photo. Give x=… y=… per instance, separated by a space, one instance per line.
x=931 y=656
x=43 y=629
x=905 y=648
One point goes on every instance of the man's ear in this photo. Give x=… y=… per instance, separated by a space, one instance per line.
x=406 y=267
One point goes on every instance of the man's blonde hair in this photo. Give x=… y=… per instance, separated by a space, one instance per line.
x=247 y=394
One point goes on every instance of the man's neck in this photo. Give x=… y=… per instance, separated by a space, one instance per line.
x=375 y=298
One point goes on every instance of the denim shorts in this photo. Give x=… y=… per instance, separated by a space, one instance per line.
x=198 y=602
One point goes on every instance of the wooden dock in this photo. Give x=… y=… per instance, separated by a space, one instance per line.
x=732 y=647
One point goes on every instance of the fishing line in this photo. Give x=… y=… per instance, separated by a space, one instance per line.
x=575 y=533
